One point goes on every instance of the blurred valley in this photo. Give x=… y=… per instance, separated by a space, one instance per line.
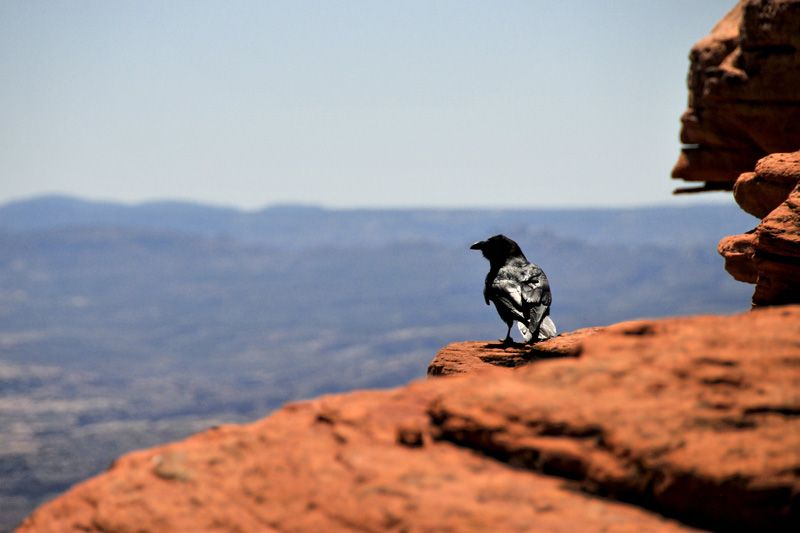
x=122 y=327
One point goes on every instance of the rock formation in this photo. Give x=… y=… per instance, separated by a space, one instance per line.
x=661 y=426
x=741 y=132
x=769 y=256
x=744 y=101
x=775 y=177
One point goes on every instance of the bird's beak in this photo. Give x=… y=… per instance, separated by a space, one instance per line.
x=477 y=246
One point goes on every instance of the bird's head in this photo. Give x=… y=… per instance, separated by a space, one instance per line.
x=498 y=248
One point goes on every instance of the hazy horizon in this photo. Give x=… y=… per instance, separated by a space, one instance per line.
x=712 y=198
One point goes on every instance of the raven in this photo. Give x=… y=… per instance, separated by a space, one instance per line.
x=519 y=289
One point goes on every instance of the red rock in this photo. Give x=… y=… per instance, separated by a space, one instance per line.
x=738 y=251
x=741 y=132
x=743 y=98
x=762 y=191
x=769 y=256
x=777 y=254
x=697 y=418
x=694 y=418
x=341 y=463
x=472 y=356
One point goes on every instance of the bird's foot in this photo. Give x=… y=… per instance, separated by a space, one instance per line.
x=508 y=341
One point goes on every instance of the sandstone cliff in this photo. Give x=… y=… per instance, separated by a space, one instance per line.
x=741 y=132
x=744 y=101
x=662 y=425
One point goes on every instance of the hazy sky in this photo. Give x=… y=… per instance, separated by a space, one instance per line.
x=343 y=103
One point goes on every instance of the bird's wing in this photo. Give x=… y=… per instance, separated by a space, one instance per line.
x=522 y=288
x=535 y=287
x=536 y=294
x=507 y=291
x=525 y=283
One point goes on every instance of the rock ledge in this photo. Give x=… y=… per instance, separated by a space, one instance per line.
x=664 y=425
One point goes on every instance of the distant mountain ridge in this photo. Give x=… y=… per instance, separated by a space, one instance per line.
x=299 y=227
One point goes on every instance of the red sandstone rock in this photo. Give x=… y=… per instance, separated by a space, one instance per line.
x=777 y=254
x=468 y=357
x=769 y=256
x=744 y=115
x=744 y=101
x=762 y=191
x=694 y=418
x=699 y=417
x=358 y=462
x=739 y=251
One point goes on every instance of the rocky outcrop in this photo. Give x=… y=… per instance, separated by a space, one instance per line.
x=741 y=132
x=777 y=254
x=769 y=256
x=744 y=102
x=656 y=426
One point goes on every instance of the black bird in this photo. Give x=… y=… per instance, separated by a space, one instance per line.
x=519 y=289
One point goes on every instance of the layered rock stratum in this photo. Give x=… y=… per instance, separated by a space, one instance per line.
x=656 y=425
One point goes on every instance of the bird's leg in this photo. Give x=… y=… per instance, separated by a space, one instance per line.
x=534 y=336
x=508 y=341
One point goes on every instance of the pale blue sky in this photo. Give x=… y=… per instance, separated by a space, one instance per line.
x=343 y=104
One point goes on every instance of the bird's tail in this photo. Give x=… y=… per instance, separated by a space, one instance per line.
x=547 y=330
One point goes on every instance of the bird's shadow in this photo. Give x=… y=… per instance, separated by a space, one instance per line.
x=500 y=345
